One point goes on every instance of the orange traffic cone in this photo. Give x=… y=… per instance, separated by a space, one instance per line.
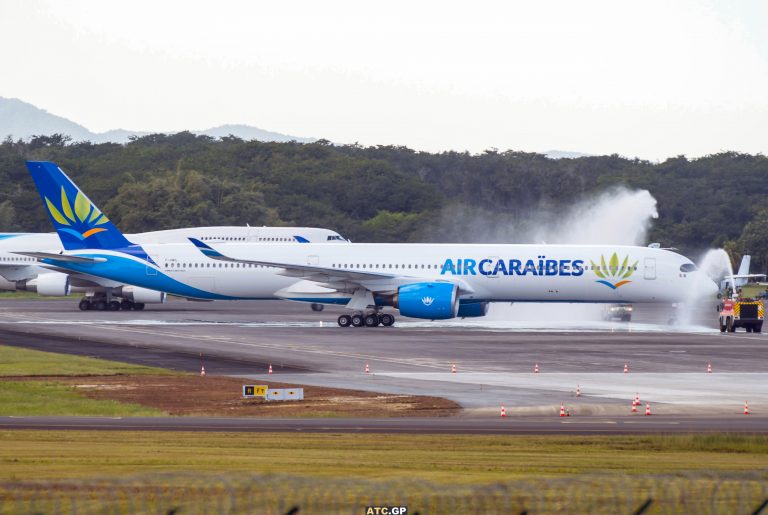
x=636 y=402
x=578 y=391
x=503 y=413
x=536 y=368
x=270 y=369
x=647 y=409
x=453 y=368
x=562 y=409
x=202 y=370
x=626 y=368
x=709 y=367
x=634 y=407
x=746 y=408
x=367 y=369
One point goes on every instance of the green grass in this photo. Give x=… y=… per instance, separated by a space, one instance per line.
x=27 y=398
x=437 y=458
x=34 y=398
x=31 y=295
x=752 y=290
x=16 y=361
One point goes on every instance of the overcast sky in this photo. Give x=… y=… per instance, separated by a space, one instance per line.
x=650 y=79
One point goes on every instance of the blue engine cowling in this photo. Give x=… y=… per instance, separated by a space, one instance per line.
x=472 y=309
x=434 y=301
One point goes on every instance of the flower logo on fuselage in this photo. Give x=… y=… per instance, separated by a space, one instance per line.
x=613 y=275
x=81 y=220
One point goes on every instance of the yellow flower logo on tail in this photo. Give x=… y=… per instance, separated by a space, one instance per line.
x=613 y=275
x=81 y=221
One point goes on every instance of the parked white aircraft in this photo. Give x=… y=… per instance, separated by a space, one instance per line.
x=420 y=280
x=741 y=277
x=23 y=273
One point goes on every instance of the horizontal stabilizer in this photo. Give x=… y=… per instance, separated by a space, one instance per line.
x=61 y=257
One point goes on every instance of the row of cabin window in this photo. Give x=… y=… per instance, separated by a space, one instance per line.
x=17 y=259
x=212 y=265
x=232 y=238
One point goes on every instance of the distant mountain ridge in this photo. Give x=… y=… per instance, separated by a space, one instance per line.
x=21 y=120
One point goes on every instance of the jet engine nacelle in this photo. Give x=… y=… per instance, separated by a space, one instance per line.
x=142 y=295
x=473 y=309
x=433 y=301
x=51 y=285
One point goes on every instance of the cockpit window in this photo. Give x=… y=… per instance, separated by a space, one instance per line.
x=335 y=238
x=688 y=267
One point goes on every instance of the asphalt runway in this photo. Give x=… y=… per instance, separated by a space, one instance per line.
x=454 y=425
x=494 y=356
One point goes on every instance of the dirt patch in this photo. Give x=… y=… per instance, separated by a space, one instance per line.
x=222 y=396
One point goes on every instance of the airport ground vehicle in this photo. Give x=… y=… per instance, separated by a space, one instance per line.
x=740 y=312
x=621 y=312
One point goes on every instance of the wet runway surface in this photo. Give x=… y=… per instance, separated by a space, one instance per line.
x=454 y=425
x=494 y=357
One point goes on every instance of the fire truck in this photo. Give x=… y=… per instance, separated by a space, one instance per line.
x=740 y=312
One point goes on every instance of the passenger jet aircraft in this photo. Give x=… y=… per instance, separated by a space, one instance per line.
x=425 y=281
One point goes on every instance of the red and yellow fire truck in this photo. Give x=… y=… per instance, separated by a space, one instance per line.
x=739 y=312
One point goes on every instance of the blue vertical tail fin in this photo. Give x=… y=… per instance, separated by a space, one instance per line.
x=79 y=223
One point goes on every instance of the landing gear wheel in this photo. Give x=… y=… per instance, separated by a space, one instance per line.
x=126 y=305
x=357 y=320
x=84 y=305
x=345 y=321
x=316 y=307
x=387 y=320
x=138 y=306
x=371 y=320
x=100 y=305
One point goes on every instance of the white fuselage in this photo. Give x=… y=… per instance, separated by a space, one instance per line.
x=519 y=273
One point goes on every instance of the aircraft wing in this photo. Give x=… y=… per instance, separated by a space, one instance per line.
x=61 y=257
x=335 y=278
x=309 y=272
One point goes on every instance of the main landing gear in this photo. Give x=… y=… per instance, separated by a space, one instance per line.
x=102 y=304
x=366 y=320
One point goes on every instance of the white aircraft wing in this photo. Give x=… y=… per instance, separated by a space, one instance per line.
x=369 y=280
x=323 y=274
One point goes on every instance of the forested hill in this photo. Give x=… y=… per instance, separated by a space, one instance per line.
x=384 y=193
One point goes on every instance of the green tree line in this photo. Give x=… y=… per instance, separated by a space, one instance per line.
x=383 y=193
